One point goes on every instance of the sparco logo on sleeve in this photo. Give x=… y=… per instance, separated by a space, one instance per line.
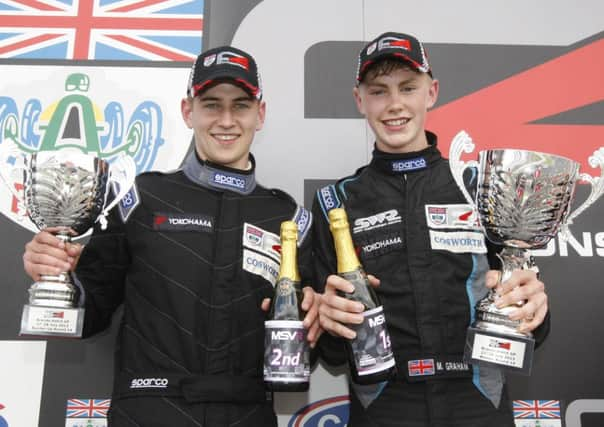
x=381 y=219
x=182 y=222
x=149 y=383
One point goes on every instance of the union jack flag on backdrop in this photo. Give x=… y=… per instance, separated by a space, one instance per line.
x=536 y=409
x=88 y=408
x=144 y=30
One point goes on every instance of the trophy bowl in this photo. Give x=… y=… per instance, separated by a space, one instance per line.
x=522 y=200
x=64 y=192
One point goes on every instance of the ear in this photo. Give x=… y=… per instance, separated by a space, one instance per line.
x=358 y=99
x=261 y=115
x=432 y=93
x=186 y=109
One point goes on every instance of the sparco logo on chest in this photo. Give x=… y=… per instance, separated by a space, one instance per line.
x=149 y=383
x=381 y=219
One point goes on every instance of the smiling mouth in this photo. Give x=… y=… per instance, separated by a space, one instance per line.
x=396 y=122
x=225 y=138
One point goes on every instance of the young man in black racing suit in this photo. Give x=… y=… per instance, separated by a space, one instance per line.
x=416 y=233
x=192 y=255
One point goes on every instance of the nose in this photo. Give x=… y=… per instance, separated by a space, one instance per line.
x=226 y=118
x=397 y=102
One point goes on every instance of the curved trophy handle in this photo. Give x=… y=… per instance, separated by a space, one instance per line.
x=122 y=171
x=597 y=189
x=11 y=160
x=461 y=143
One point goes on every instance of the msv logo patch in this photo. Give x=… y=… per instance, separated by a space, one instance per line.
x=332 y=412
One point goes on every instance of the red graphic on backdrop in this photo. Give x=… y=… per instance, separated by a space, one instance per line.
x=500 y=115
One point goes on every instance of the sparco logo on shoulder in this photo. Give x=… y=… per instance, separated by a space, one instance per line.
x=381 y=219
x=149 y=383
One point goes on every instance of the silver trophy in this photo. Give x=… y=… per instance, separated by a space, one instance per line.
x=522 y=201
x=66 y=192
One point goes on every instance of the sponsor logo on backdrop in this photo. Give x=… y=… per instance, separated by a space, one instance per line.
x=537 y=413
x=69 y=29
x=585 y=245
x=87 y=412
x=76 y=110
x=21 y=375
x=88 y=408
x=332 y=412
x=3 y=422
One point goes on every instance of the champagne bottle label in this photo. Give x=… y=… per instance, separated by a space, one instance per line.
x=286 y=355
x=371 y=348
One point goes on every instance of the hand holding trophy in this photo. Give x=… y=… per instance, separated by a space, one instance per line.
x=522 y=201
x=65 y=191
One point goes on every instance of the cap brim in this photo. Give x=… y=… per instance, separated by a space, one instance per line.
x=398 y=56
x=232 y=76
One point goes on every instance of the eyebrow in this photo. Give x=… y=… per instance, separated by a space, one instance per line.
x=404 y=82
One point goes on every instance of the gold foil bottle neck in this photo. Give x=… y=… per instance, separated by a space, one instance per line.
x=346 y=255
x=289 y=251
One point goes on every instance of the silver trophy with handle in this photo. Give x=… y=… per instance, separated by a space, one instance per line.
x=65 y=191
x=523 y=199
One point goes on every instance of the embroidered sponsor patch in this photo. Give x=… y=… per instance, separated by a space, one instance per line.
x=303 y=218
x=381 y=245
x=182 y=222
x=130 y=201
x=409 y=164
x=328 y=199
x=228 y=181
x=149 y=383
x=378 y=220
x=262 y=265
x=421 y=367
x=262 y=241
x=458 y=241
x=451 y=216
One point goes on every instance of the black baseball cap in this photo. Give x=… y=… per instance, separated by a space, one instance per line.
x=224 y=64
x=398 y=46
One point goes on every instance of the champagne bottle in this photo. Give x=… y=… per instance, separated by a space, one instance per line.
x=370 y=352
x=286 y=350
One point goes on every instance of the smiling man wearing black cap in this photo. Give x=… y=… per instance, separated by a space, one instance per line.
x=409 y=222
x=192 y=256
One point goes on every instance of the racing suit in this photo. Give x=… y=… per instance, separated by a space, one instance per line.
x=191 y=254
x=416 y=233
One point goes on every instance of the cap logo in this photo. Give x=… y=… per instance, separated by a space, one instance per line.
x=209 y=60
x=231 y=58
x=394 y=43
x=371 y=48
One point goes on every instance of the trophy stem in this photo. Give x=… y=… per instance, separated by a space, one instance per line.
x=54 y=290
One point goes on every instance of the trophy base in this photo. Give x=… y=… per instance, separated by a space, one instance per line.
x=493 y=345
x=52 y=321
